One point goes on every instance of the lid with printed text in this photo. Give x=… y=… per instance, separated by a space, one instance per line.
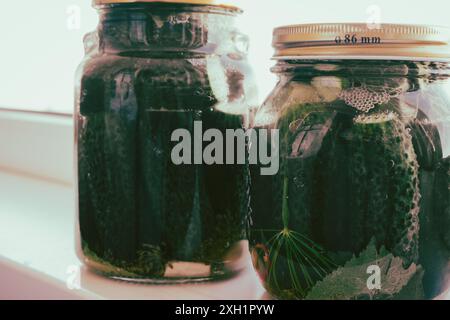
x=362 y=41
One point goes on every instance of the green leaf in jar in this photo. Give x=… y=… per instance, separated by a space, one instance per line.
x=350 y=281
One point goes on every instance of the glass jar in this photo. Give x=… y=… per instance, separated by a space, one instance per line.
x=151 y=68
x=360 y=207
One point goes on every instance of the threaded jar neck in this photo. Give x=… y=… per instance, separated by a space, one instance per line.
x=142 y=28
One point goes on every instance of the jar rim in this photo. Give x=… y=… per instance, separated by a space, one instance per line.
x=362 y=41
x=228 y=4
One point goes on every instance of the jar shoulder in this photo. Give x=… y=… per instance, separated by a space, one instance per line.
x=203 y=81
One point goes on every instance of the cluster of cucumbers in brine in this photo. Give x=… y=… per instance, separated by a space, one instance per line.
x=141 y=215
x=360 y=206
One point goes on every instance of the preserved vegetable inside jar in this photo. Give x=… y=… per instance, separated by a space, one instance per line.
x=360 y=208
x=153 y=68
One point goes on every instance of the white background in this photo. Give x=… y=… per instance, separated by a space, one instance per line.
x=41 y=44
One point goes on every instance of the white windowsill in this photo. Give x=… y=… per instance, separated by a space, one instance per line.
x=37 y=209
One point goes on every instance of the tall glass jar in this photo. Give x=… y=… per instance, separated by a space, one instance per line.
x=360 y=207
x=151 y=68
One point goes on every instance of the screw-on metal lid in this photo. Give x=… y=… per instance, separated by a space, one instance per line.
x=362 y=41
x=219 y=3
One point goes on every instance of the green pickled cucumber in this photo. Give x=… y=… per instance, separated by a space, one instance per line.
x=163 y=209
x=106 y=148
x=444 y=198
x=433 y=255
x=393 y=183
x=289 y=261
x=225 y=201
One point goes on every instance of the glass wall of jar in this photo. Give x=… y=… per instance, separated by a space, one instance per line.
x=153 y=67
x=360 y=207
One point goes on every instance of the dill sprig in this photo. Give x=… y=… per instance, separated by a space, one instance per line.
x=306 y=262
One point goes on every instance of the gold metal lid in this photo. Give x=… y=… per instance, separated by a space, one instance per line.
x=217 y=3
x=362 y=41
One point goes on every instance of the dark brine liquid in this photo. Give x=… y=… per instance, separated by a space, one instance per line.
x=142 y=216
